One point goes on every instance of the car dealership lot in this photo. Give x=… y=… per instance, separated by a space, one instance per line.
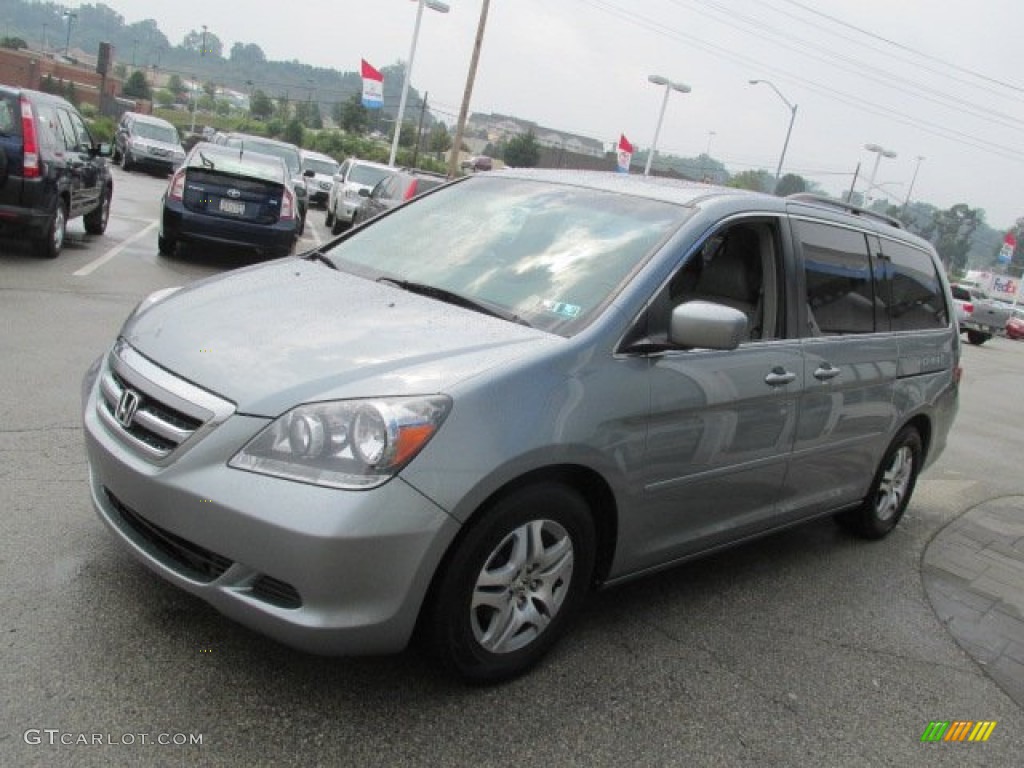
x=806 y=648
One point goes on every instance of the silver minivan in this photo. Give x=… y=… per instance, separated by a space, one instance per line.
x=466 y=414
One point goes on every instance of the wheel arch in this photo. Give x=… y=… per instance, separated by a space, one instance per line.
x=594 y=489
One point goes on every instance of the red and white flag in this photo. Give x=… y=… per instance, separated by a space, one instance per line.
x=373 y=87
x=625 y=154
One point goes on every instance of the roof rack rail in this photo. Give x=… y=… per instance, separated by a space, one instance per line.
x=856 y=210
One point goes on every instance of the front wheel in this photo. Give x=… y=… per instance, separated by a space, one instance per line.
x=329 y=216
x=512 y=583
x=977 y=337
x=96 y=220
x=891 y=488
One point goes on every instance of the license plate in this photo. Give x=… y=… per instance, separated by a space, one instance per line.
x=229 y=206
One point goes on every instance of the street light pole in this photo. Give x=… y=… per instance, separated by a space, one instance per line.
x=669 y=86
x=69 y=15
x=880 y=152
x=913 y=178
x=434 y=5
x=789 y=131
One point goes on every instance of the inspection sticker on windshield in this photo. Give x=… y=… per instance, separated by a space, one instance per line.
x=561 y=308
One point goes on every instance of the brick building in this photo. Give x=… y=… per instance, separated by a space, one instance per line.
x=29 y=69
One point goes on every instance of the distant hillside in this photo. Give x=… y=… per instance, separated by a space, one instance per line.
x=143 y=46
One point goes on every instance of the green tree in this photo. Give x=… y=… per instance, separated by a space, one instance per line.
x=247 y=55
x=408 y=135
x=522 y=151
x=758 y=181
x=293 y=132
x=136 y=86
x=352 y=116
x=439 y=139
x=14 y=43
x=204 y=43
x=261 y=107
x=790 y=184
x=954 y=228
x=164 y=98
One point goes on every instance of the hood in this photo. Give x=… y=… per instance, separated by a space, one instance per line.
x=274 y=336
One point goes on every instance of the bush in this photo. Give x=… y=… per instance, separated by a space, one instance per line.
x=101 y=128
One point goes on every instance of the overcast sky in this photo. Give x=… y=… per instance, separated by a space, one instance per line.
x=944 y=81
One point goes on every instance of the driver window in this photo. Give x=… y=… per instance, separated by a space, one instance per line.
x=736 y=266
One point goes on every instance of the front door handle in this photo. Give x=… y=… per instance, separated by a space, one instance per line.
x=779 y=376
x=826 y=372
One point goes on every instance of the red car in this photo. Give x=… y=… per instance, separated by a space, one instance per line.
x=1015 y=325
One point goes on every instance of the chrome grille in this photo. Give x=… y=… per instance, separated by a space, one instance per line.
x=151 y=410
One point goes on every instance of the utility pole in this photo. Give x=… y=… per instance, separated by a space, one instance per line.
x=453 y=162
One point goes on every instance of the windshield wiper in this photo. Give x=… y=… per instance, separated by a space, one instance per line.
x=451 y=297
x=316 y=255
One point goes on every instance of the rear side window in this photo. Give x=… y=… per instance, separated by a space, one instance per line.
x=840 y=285
x=917 y=297
x=10 y=116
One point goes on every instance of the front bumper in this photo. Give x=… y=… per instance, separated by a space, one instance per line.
x=321 y=570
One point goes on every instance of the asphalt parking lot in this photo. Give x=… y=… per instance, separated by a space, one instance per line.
x=806 y=648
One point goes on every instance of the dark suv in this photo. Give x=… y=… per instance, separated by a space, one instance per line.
x=51 y=170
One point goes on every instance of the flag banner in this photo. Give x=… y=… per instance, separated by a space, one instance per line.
x=373 y=87
x=625 y=154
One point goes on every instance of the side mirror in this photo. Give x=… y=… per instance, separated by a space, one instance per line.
x=707 y=325
x=364 y=192
x=102 y=150
x=309 y=172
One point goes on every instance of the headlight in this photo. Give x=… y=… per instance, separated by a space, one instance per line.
x=351 y=444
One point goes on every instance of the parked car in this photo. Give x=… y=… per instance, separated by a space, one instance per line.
x=978 y=315
x=1015 y=324
x=225 y=196
x=51 y=170
x=354 y=176
x=478 y=163
x=147 y=142
x=463 y=416
x=394 y=190
x=319 y=170
x=291 y=155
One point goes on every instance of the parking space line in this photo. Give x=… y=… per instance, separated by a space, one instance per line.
x=92 y=266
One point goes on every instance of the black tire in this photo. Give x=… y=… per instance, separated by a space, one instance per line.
x=51 y=243
x=126 y=160
x=977 y=337
x=96 y=220
x=302 y=224
x=547 y=586
x=891 y=488
x=329 y=217
x=338 y=227
x=166 y=245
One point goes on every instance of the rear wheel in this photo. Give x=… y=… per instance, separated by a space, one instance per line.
x=977 y=337
x=891 y=488
x=512 y=583
x=96 y=220
x=166 y=245
x=51 y=243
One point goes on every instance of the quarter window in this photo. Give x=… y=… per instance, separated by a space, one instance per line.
x=837 y=269
x=917 y=299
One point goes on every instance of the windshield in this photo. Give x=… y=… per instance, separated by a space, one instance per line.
x=156 y=132
x=553 y=255
x=368 y=175
x=324 y=167
x=286 y=153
